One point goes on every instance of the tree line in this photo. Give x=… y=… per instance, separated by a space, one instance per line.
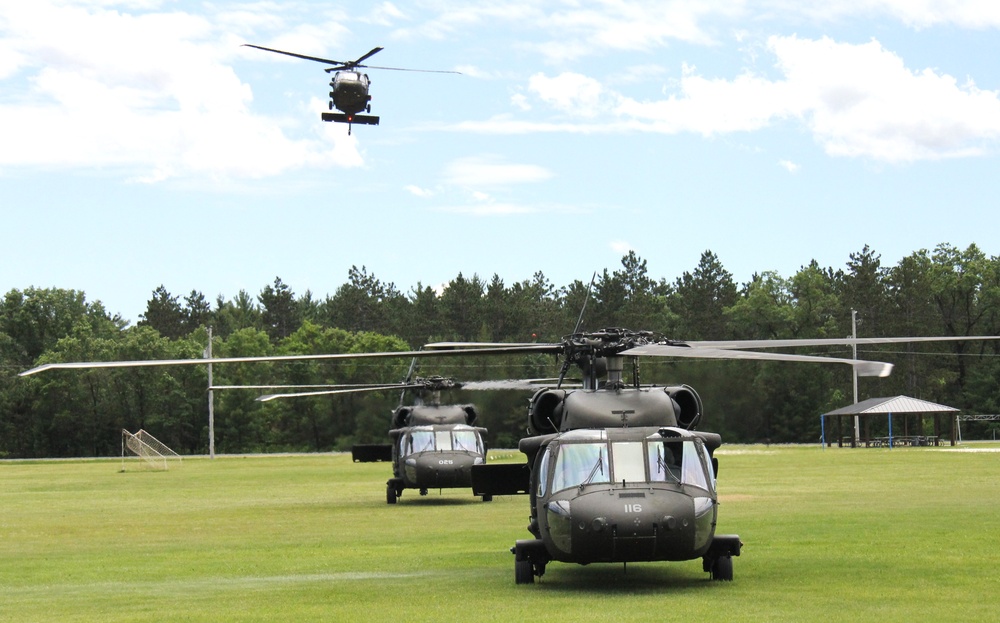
x=947 y=291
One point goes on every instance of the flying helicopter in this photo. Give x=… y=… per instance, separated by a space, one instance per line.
x=615 y=471
x=349 y=87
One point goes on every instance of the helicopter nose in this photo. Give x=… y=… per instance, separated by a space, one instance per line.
x=441 y=470
x=625 y=528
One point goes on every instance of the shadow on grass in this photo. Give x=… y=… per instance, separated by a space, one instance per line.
x=615 y=579
x=432 y=500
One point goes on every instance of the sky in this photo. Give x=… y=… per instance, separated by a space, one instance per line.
x=141 y=144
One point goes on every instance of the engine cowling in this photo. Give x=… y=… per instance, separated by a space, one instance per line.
x=545 y=411
x=687 y=405
x=420 y=415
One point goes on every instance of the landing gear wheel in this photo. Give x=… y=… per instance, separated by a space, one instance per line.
x=722 y=569
x=423 y=492
x=524 y=572
x=487 y=498
x=390 y=494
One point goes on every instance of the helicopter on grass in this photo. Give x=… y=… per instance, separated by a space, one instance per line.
x=349 y=87
x=615 y=470
x=433 y=446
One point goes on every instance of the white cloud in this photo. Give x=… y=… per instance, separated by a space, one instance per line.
x=639 y=73
x=489 y=209
x=913 y=13
x=861 y=100
x=584 y=29
x=573 y=93
x=572 y=29
x=417 y=191
x=714 y=106
x=385 y=14
x=490 y=172
x=858 y=100
x=156 y=97
x=520 y=101
x=789 y=166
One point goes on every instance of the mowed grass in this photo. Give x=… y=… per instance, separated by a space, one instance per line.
x=909 y=534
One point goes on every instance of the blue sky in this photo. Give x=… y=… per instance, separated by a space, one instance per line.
x=141 y=144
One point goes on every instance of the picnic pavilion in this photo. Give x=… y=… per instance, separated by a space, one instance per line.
x=910 y=412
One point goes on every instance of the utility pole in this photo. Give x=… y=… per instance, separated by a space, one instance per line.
x=854 y=349
x=211 y=399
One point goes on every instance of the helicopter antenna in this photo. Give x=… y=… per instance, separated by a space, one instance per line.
x=406 y=381
x=579 y=320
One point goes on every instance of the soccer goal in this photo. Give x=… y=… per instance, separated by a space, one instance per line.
x=147 y=451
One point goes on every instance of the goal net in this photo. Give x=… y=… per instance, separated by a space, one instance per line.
x=147 y=451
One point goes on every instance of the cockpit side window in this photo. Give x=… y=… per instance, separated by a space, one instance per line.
x=693 y=470
x=543 y=471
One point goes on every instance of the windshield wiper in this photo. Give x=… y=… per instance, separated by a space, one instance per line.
x=597 y=466
x=662 y=464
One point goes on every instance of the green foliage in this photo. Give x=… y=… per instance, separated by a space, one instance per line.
x=946 y=291
x=700 y=299
x=279 y=313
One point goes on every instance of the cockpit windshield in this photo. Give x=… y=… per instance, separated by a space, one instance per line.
x=417 y=440
x=679 y=461
x=579 y=464
x=467 y=440
x=656 y=459
x=420 y=441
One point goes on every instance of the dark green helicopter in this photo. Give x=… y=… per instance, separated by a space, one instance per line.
x=616 y=471
x=349 y=86
x=433 y=446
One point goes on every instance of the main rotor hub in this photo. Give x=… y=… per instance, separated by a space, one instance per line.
x=608 y=342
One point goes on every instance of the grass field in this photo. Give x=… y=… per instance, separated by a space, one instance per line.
x=909 y=534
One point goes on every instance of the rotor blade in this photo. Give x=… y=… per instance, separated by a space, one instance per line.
x=373 y=51
x=477 y=347
x=425 y=71
x=523 y=348
x=303 y=56
x=330 y=392
x=342 y=386
x=847 y=341
x=864 y=368
x=529 y=384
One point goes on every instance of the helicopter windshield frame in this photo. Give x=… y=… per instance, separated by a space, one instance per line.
x=458 y=438
x=594 y=459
